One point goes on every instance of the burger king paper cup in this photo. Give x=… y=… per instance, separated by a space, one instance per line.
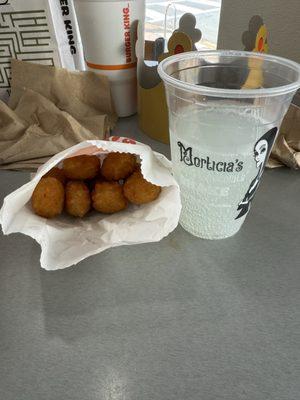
x=108 y=30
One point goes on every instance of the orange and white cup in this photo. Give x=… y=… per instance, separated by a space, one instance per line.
x=108 y=30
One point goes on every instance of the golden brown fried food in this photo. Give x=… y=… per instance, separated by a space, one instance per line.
x=139 y=191
x=57 y=173
x=78 y=199
x=91 y=182
x=108 y=197
x=81 y=167
x=118 y=166
x=48 y=198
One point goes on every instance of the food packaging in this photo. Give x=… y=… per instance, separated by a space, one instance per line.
x=286 y=150
x=66 y=241
x=49 y=112
x=40 y=31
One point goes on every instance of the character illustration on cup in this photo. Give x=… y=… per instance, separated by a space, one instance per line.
x=262 y=150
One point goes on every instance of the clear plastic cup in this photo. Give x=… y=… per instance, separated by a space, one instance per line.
x=225 y=110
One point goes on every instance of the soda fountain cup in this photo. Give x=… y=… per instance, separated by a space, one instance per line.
x=109 y=29
x=225 y=110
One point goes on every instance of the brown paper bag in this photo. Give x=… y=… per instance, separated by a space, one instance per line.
x=84 y=95
x=286 y=150
x=51 y=110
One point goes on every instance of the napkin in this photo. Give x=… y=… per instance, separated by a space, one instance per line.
x=51 y=109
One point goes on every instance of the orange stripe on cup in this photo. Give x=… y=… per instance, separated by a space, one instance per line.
x=111 y=67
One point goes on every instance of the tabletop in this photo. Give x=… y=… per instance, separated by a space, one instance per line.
x=182 y=319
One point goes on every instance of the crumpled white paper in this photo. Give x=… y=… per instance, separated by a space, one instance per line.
x=65 y=241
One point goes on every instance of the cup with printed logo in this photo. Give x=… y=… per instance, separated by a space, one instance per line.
x=109 y=31
x=225 y=110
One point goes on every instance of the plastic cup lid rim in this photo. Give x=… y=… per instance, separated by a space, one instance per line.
x=229 y=93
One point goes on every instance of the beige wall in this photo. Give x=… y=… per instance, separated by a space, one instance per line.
x=282 y=18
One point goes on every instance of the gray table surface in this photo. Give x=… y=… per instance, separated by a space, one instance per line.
x=183 y=319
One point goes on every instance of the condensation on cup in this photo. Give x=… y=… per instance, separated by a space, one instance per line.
x=225 y=110
x=108 y=30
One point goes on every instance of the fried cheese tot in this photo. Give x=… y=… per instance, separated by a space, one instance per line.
x=139 y=191
x=118 y=166
x=78 y=199
x=108 y=197
x=81 y=167
x=48 y=198
x=57 y=173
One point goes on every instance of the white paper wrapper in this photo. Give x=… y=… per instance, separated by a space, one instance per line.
x=65 y=240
